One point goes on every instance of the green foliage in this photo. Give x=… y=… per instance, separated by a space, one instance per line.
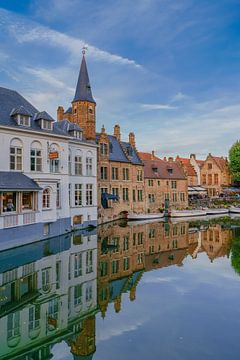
x=234 y=157
x=235 y=258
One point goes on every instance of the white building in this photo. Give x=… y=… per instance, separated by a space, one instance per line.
x=47 y=296
x=48 y=174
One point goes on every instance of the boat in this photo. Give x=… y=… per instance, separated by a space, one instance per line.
x=216 y=211
x=234 y=210
x=187 y=213
x=138 y=217
x=143 y=222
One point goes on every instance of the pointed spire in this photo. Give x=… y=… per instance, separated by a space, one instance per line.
x=83 y=89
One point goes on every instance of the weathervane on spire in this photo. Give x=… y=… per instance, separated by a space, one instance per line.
x=84 y=48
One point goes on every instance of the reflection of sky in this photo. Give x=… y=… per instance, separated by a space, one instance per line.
x=179 y=313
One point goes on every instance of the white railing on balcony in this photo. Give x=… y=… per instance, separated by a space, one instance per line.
x=29 y=218
x=10 y=221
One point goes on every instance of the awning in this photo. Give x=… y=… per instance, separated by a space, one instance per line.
x=231 y=190
x=17 y=181
x=105 y=197
x=196 y=190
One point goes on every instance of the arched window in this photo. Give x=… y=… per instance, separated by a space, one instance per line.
x=36 y=156
x=54 y=156
x=89 y=164
x=16 y=155
x=46 y=199
x=78 y=162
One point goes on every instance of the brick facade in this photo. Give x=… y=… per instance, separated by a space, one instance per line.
x=215 y=175
x=119 y=174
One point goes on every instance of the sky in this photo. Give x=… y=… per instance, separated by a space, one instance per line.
x=169 y=70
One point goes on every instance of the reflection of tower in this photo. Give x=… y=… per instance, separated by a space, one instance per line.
x=103 y=299
x=117 y=304
x=132 y=295
x=84 y=345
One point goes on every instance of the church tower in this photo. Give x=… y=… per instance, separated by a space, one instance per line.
x=83 y=104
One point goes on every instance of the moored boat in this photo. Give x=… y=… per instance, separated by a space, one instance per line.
x=234 y=210
x=138 y=217
x=216 y=211
x=187 y=213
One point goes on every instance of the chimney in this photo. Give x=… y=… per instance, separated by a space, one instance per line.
x=164 y=159
x=152 y=155
x=117 y=133
x=60 y=112
x=193 y=156
x=170 y=159
x=131 y=137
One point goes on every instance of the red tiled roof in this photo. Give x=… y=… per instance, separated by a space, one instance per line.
x=159 y=169
x=187 y=166
x=147 y=156
x=200 y=162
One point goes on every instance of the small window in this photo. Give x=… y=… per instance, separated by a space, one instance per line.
x=77 y=220
x=24 y=120
x=46 y=229
x=46 y=125
x=46 y=199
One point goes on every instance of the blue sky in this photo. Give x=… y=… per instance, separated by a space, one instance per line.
x=166 y=69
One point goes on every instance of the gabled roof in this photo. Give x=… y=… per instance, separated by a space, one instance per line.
x=9 y=100
x=131 y=153
x=147 y=156
x=20 y=110
x=43 y=115
x=160 y=169
x=189 y=169
x=10 y=180
x=118 y=151
x=83 y=89
x=221 y=162
x=66 y=126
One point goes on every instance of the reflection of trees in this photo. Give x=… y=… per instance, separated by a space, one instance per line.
x=235 y=253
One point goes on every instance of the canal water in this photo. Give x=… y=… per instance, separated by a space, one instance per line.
x=156 y=290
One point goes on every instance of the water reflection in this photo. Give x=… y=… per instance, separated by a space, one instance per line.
x=51 y=291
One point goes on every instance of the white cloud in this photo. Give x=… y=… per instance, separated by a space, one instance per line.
x=179 y=96
x=47 y=76
x=158 y=107
x=28 y=32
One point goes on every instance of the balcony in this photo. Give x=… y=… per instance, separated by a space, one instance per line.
x=13 y=220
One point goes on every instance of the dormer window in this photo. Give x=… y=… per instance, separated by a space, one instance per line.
x=22 y=116
x=46 y=124
x=24 y=120
x=77 y=134
x=170 y=171
x=155 y=170
x=130 y=151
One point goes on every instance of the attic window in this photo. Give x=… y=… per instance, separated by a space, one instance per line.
x=155 y=170
x=46 y=124
x=130 y=151
x=24 y=120
x=170 y=170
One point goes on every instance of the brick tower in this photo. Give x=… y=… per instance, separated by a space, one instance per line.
x=83 y=104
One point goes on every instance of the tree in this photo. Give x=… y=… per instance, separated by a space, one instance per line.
x=234 y=157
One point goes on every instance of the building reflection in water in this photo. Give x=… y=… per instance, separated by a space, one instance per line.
x=51 y=291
